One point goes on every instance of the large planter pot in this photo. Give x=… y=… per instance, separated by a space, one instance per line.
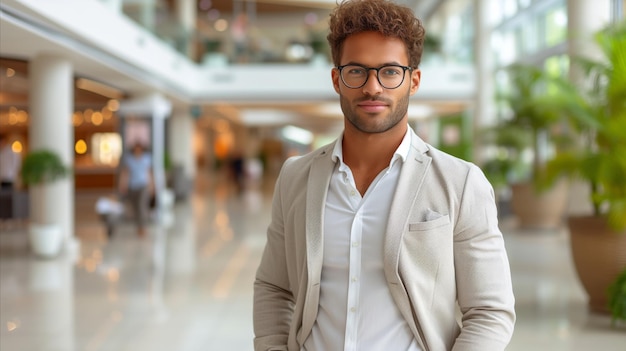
x=599 y=255
x=45 y=239
x=541 y=210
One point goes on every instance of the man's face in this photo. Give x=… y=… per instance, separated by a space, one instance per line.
x=373 y=108
x=137 y=150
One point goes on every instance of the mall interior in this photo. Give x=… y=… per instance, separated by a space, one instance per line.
x=208 y=84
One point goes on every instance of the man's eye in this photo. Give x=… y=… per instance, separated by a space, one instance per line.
x=389 y=71
x=356 y=71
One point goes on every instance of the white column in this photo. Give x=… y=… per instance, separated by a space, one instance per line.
x=483 y=114
x=51 y=102
x=618 y=10
x=147 y=14
x=186 y=14
x=584 y=18
x=158 y=154
x=181 y=135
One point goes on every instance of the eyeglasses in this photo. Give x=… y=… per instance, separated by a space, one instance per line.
x=389 y=76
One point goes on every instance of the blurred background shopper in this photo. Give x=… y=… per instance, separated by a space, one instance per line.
x=137 y=184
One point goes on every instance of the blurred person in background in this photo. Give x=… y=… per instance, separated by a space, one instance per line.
x=136 y=182
x=378 y=240
x=240 y=35
x=10 y=163
x=238 y=171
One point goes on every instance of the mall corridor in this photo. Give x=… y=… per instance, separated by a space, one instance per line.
x=188 y=285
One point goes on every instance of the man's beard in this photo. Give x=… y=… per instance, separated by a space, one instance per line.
x=375 y=124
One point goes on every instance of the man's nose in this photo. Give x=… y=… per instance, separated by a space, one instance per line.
x=372 y=85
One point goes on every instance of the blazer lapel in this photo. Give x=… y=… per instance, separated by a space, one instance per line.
x=409 y=184
x=411 y=178
x=317 y=188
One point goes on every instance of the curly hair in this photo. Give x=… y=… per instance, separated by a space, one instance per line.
x=382 y=16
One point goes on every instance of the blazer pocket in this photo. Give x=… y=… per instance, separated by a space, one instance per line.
x=428 y=225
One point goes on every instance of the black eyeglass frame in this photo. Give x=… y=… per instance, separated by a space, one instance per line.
x=377 y=69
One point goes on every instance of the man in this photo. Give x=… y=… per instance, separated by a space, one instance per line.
x=137 y=182
x=380 y=241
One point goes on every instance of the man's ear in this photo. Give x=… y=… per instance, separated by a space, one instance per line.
x=335 y=77
x=416 y=77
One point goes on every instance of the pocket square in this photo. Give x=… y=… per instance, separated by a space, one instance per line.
x=431 y=215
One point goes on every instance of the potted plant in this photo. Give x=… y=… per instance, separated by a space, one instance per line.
x=598 y=116
x=617 y=299
x=504 y=163
x=41 y=168
x=523 y=140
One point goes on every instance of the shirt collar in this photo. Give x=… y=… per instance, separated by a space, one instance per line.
x=403 y=149
x=401 y=152
x=338 y=149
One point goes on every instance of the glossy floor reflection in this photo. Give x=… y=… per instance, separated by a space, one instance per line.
x=188 y=285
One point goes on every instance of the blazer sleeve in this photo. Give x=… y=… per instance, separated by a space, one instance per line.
x=483 y=277
x=273 y=300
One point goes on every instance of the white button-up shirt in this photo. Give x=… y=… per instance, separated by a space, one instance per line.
x=356 y=309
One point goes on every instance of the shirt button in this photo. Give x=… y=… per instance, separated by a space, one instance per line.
x=355 y=244
x=352 y=309
x=352 y=192
x=354 y=279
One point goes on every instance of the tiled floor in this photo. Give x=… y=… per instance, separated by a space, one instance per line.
x=188 y=286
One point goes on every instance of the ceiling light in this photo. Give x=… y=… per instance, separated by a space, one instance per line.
x=98 y=88
x=298 y=135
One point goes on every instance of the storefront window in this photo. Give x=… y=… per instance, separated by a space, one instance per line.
x=555 y=26
x=530 y=38
x=508 y=48
x=496 y=12
x=524 y=3
x=556 y=66
x=510 y=7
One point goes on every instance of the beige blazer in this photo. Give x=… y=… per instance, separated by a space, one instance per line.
x=444 y=256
